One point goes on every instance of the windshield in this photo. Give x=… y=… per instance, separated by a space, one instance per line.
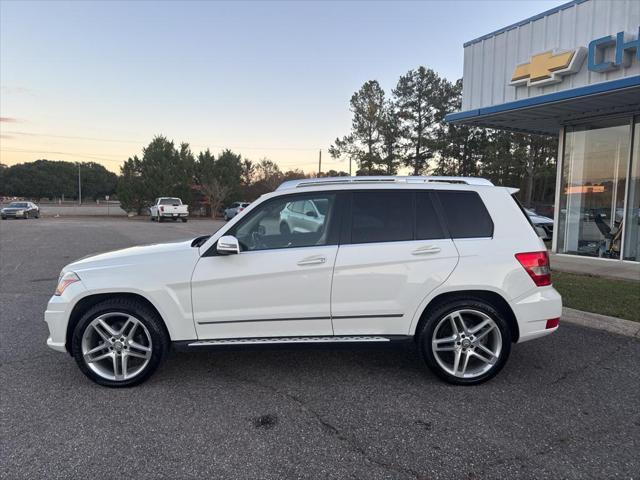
x=18 y=205
x=170 y=201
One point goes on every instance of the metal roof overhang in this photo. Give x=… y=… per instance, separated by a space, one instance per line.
x=545 y=114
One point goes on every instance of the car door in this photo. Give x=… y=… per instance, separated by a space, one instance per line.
x=394 y=251
x=279 y=285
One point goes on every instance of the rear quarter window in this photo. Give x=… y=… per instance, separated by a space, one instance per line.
x=465 y=214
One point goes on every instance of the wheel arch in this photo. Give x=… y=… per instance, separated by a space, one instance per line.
x=85 y=303
x=491 y=297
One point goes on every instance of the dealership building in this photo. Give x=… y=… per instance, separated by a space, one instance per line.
x=572 y=71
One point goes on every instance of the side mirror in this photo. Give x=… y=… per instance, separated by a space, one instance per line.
x=311 y=214
x=228 y=245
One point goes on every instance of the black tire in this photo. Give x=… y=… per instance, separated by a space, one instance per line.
x=160 y=219
x=184 y=220
x=440 y=312
x=26 y=215
x=148 y=317
x=4 y=218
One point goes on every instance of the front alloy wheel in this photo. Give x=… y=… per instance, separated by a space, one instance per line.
x=116 y=346
x=119 y=342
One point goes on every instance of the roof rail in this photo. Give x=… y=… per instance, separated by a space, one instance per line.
x=313 y=182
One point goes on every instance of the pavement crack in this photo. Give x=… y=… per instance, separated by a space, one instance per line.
x=331 y=429
x=597 y=362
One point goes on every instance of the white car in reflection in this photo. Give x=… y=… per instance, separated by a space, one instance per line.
x=303 y=216
x=544 y=225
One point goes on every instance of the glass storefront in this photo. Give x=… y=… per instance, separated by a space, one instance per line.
x=592 y=219
x=631 y=245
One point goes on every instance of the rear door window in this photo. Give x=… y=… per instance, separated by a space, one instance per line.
x=465 y=214
x=382 y=216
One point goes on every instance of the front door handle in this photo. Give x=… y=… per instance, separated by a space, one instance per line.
x=313 y=260
x=426 y=250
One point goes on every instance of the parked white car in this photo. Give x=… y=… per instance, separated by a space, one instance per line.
x=303 y=216
x=234 y=209
x=165 y=208
x=452 y=264
x=544 y=225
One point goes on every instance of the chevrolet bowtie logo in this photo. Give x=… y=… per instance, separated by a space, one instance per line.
x=548 y=67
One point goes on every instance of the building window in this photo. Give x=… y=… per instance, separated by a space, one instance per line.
x=632 y=216
x=592 y=191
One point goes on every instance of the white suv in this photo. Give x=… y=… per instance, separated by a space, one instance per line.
x=452 y=264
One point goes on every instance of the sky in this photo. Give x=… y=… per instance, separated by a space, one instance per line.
x=96 y=81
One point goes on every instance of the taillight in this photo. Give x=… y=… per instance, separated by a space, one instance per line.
x=161 y=208
x=537 y=266
x=552 y=323
x=240 y=209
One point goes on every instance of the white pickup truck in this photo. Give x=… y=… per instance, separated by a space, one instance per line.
x=168 y=208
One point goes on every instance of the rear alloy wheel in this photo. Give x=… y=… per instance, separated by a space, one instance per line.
x=466 y=343
x=119 y=343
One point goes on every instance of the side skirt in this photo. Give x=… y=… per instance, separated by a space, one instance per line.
x=331 y=342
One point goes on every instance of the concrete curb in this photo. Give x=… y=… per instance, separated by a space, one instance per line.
x=601 y=322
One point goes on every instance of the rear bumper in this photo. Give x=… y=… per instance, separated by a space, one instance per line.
x=174 y=215
x=534 y=309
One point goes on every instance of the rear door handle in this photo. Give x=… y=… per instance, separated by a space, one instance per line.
x=313 y=260
x=426 y=250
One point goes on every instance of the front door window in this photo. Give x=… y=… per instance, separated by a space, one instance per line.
x=288 y=222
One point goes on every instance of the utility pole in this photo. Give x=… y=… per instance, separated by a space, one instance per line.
x=349 y=166
x=319 y=162
x=79 y=187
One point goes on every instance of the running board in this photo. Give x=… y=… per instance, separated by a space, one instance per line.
x=289 y=341
x=263 y=341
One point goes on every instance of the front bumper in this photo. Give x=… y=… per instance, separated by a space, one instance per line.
x=12 y=214
x=57 y=316
x=57 y=323
x=534 y=309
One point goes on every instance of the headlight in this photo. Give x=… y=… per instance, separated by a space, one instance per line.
x=64 y=281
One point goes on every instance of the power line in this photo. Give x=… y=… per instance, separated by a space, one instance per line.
x=79 y=154
x=115 y=140
x=70 y=137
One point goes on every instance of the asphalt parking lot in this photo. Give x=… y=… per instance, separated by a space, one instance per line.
x=567 y=406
